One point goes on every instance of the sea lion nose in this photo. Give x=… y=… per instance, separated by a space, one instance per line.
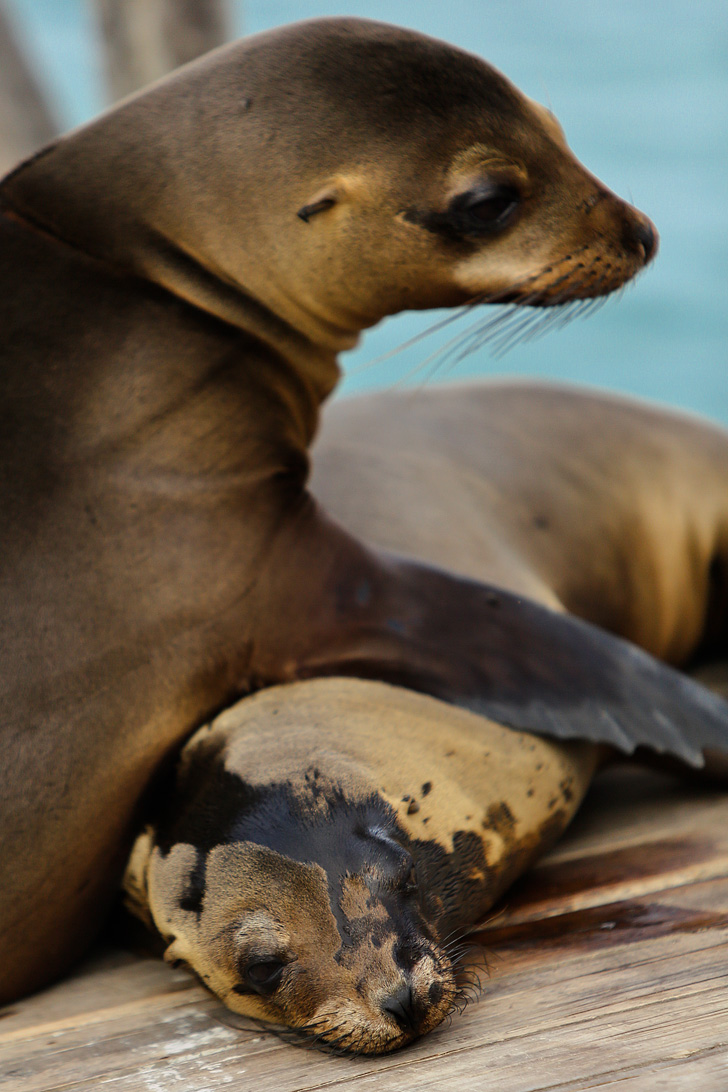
x=400 y=1005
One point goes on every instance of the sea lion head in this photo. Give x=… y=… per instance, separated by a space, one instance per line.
x=296 y=900
x=334 y=172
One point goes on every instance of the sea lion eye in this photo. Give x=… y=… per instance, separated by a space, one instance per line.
x=485 y=209
x=264 y=977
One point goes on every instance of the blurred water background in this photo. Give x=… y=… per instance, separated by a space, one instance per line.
x=641 y=89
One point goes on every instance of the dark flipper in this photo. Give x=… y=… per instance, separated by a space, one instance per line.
x=497 y=654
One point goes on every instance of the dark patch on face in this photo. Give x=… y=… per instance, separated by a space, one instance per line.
x=455 y=886
x=194 y=892
x=407 y=951
x=313 y=824
x=357 y=931
x=427 y=788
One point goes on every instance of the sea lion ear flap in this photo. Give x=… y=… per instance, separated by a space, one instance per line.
x=321 y=201
x=136 y=877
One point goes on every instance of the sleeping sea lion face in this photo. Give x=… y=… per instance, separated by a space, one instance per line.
x=295 y=902
x=334 y=172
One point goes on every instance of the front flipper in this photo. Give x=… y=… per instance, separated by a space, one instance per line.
x=358 y=612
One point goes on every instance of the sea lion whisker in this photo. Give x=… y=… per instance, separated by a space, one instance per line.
x=471 y=990
x=532 y=327
x=468 y=974
x=531 y=324
x=451 y=945
x=465 y=343
x=453 y=936
x=410 y=342
x=439 y=356
x=458 y=951
x=559 y=310
x=468 y=341
x=301 y=1036
x=458 y=961
x=337 y=1046
x=497 y=331
x=487 y=332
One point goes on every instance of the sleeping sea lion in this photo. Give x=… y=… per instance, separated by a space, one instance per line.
x=177 y=279
x=323 y=847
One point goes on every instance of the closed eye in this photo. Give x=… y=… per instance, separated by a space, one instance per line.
x=262 y=977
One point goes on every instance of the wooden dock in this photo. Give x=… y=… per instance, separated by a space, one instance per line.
x=608 y=970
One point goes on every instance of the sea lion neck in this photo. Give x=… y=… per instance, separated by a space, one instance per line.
x=144 y=390
x=124 y=244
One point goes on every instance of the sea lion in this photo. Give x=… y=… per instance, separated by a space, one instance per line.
x=323 y=847
x=177 y=279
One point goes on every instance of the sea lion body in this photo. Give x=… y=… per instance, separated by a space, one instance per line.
x=480 y=478
x=324 y=847
x=202 y=252
x=590 y=502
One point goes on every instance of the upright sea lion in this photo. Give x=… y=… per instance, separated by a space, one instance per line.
x=324 y=846
x=177 y=279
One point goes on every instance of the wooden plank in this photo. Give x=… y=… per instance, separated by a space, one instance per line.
x=598 y=1016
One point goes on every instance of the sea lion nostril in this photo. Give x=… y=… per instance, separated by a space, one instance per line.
x=400 y=1005
x=647 y=238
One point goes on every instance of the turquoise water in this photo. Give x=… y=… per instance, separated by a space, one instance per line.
x=641 y=89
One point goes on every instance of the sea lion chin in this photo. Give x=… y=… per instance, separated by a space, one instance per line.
x=290 y=866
